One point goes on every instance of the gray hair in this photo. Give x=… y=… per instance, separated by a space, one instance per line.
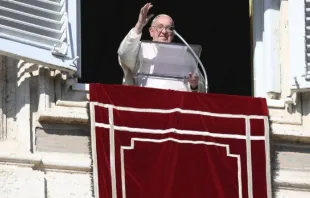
x=155 y=18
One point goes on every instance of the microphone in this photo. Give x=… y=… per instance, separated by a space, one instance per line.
x=196 y=57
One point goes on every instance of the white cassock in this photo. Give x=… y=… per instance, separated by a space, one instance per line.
x=128 y=54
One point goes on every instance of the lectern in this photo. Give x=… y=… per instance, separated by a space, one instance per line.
x=166 y=65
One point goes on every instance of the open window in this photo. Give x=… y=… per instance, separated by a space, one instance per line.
x=225 y=46
x=299 y=25
x=42 y=31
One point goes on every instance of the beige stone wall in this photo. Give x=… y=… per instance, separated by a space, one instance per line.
x=45 y=135
x=44 y=147
x=18 y=181
x=45 y=139
x=290 y=120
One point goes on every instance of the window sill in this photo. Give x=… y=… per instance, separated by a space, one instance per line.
x=270 y=102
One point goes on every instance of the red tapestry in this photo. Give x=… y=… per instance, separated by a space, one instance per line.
x=153 y=143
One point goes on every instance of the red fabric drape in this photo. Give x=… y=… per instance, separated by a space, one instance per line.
x=153 y=143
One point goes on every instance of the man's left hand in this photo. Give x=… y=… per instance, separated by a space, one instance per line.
x=193 y=80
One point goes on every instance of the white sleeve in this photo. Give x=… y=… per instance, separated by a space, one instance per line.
x=128 y=50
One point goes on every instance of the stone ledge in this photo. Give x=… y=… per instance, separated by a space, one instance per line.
x=288 y=156
x=53 y=161
x=70 y=112
x=291 y=193
x=64 y=103
x=65 y=115
x=63 y=138
x=291 y=133
x=284 y=178
x=294 y=179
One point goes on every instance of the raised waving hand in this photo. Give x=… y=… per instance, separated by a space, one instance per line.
x=143 y=17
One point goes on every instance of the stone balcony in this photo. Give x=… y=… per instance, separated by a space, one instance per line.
x=45 y=137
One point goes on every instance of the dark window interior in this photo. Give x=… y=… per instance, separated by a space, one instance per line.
x=221 y=27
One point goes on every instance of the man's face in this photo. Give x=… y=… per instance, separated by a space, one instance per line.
x=161 y=30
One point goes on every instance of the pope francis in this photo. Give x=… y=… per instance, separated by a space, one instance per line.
x=161 y=30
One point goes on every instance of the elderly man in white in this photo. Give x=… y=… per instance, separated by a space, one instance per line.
x=161 y=30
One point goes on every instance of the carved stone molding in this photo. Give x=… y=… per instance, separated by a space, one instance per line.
x=3 y=65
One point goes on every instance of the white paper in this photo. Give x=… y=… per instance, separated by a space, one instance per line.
x=162 y=83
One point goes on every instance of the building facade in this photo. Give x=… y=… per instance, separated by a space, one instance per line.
x=44 y=125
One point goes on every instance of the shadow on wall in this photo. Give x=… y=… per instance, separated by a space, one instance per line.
x=20 y=97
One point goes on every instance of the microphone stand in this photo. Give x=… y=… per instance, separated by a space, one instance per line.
x=196 y=57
